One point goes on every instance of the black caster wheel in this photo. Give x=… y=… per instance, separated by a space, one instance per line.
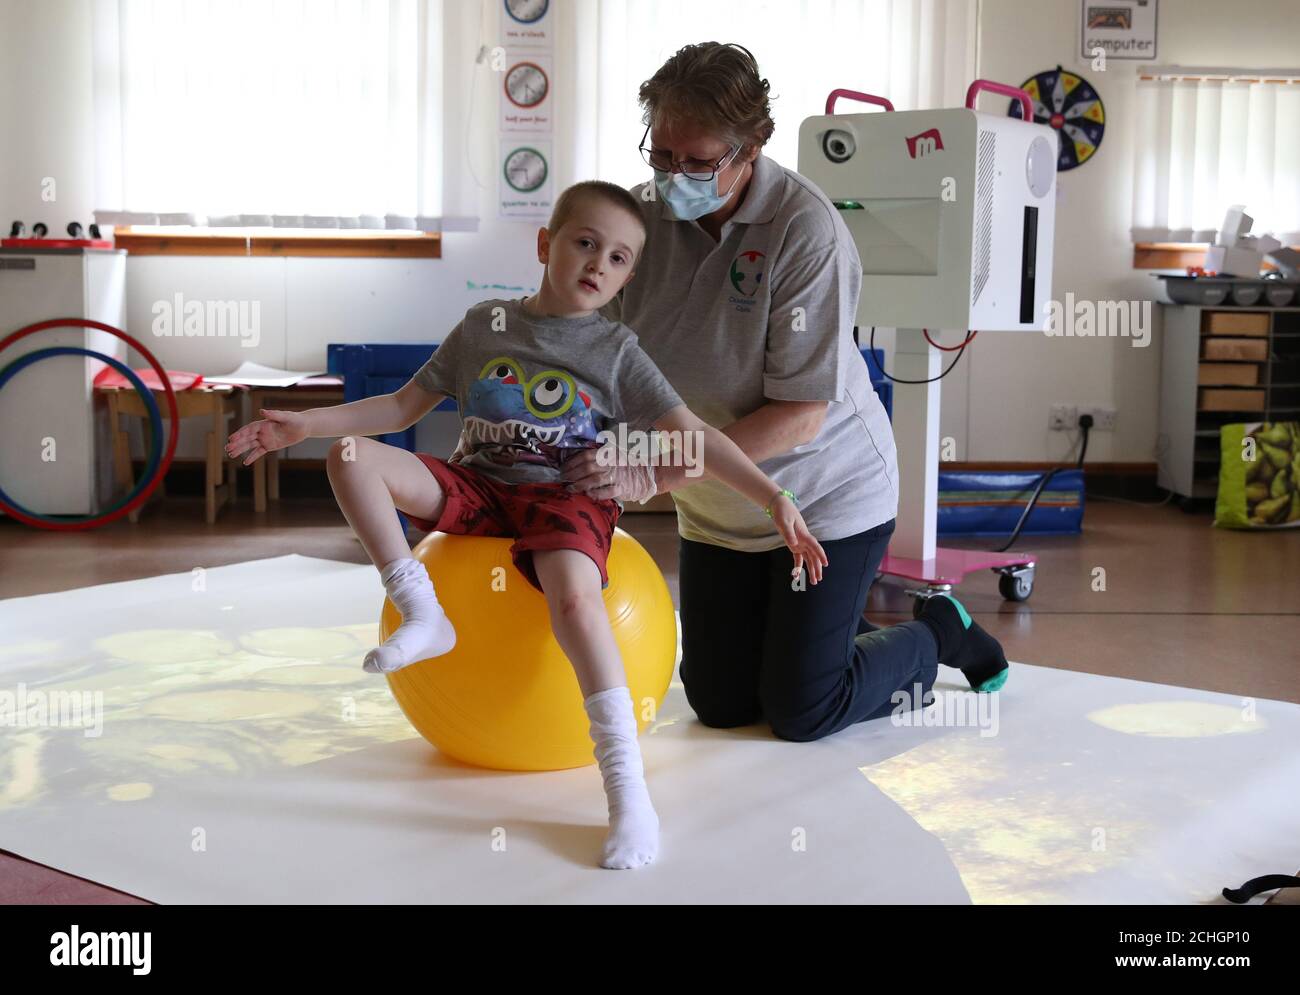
x=39 y=230
x=1017 y=586
x=74 y=229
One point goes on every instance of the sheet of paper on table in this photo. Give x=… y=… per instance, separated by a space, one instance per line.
x=257 y=375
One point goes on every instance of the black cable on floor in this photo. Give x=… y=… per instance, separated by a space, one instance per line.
x=1085 y=425
x=1257 y=886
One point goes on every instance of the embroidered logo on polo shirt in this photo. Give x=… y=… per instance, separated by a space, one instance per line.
x=747 y=272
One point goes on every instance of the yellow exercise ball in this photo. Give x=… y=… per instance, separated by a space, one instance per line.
x=506 y=696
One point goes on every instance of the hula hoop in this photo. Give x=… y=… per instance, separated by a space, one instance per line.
x=155 y=418
x=94 y=521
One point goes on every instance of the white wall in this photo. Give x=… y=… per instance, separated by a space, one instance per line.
x=1000 y=409
x=995 y=403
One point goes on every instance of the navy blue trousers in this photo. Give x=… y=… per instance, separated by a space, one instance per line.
x=755 y=648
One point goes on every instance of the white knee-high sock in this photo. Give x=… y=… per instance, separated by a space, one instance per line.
x=633 y=825
x=425 y=630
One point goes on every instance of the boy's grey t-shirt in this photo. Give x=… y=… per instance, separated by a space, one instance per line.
x=532 y=391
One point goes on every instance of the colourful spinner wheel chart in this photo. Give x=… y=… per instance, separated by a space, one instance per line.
x=1069 y=104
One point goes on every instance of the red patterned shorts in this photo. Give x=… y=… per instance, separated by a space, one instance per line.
x=537 y=516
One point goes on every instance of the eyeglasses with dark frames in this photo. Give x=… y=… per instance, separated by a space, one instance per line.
x=693 y=169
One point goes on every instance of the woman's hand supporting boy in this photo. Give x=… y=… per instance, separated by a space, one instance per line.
x=723 y=460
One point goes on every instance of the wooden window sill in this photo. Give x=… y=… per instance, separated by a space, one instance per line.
x=1172 y=255
x=414 y=245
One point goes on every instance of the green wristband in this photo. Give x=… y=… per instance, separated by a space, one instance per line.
x=790 y=494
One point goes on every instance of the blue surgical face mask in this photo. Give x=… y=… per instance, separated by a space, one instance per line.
x=691 y=199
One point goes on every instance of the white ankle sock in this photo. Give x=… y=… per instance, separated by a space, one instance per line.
x=425 y=630
x=633 y=825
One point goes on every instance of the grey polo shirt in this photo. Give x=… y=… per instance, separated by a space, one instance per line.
x=766 y=313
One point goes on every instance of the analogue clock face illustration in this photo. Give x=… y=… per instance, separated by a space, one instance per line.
x=525 y=169
x=527 y=11
x=526 y=84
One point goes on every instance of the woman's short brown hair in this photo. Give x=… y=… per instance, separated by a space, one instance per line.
x=714 y=86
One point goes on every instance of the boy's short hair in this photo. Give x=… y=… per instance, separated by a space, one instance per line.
x=611 y=193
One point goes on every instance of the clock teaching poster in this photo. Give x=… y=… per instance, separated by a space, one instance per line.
x=525 y=98
x=526 y=23
x=524 y=77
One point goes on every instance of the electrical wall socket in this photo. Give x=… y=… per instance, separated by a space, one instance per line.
x=1103 y=419
x=1063 y=417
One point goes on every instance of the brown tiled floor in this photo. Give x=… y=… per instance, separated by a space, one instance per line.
x=1182 y=604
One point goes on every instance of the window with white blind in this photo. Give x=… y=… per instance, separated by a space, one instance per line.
x=1209 y=139
x=280 y=113
x=918 y=53
x=382 y=113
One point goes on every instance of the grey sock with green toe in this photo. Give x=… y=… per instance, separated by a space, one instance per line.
x=964 y=645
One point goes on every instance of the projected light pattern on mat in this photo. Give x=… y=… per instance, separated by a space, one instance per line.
x=1024 y=825
x=242 y=755
x=178 y=702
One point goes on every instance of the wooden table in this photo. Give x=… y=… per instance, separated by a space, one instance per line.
x=217 y=402
x=313 y=392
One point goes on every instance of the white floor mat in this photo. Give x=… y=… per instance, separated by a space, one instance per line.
x=244 y=757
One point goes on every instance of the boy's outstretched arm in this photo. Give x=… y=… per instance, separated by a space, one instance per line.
x=376 y=415
x=723 y=460
x=368 y=416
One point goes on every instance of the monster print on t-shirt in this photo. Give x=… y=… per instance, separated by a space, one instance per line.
x=513 y=417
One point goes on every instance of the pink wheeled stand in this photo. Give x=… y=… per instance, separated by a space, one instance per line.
x=950 y=567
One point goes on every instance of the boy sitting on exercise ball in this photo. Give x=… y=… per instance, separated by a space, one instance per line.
x=537 y=380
